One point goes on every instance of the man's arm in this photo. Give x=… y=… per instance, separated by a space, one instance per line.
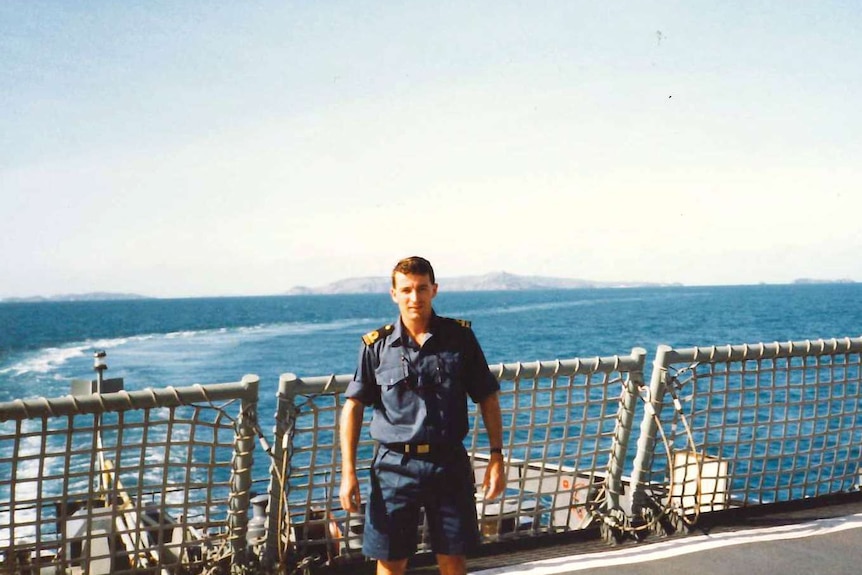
x=495 y=480
x=351 y=423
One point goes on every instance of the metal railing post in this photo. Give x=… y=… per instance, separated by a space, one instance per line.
x=277 y=529
x=648 y=431
x=623 y=429
x=615 y=519
x=240 y=484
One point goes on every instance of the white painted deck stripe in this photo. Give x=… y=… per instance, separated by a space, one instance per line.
x=663 y=550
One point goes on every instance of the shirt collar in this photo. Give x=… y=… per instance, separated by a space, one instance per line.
x=399 y=334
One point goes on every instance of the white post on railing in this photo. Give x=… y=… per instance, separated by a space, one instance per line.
x=623 y=429
x=648 y=431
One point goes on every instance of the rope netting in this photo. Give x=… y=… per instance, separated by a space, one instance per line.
x=163 y=477
x=118 y=488
x=764 y=423
x=559 y=431
x=560 y=421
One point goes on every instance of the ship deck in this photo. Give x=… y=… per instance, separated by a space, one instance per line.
x=818 y=535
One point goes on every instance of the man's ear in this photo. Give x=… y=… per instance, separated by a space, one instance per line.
x=392 y=294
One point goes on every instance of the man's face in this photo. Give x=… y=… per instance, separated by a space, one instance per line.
x=413 y=294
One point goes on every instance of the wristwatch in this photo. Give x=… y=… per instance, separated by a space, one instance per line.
x=494 y=450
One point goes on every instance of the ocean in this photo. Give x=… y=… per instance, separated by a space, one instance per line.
x=161 y=342
x=181 y=342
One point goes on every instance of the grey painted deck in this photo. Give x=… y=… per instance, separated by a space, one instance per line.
x=805 y=537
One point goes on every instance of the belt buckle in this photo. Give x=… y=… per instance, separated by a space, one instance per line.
x=419 y=448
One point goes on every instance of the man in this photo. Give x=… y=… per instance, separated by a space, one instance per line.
x=417 y=375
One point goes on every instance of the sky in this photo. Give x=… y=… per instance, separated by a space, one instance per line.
x=184 y=149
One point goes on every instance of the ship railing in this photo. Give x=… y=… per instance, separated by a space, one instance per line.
x=719 y=427
x=160 y=478
x=155 y=480
x=745 y=425
x=566 y=428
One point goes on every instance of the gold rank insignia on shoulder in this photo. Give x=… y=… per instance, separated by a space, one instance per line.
x=463 y=322
x=373 y=336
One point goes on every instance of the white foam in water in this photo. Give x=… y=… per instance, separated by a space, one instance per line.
x=552 y=305
x=268 y=330
x=184 y=334
x=296 y=328
x=26 y=492
x=51 y=359
x=46 y=360
x=28 y=468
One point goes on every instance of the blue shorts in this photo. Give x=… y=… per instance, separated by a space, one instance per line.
x=403 y=484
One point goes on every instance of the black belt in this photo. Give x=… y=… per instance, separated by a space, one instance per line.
x=420 y=448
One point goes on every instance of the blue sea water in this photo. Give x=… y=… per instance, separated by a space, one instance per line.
x=160 y=342
x=180 y=342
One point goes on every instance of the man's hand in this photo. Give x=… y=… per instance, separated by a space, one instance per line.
x=495 y=480
x=350 y=422
x=349 y=493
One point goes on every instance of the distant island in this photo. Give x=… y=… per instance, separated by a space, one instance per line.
x=92 y=296
x=817 y=281
x=496 y=281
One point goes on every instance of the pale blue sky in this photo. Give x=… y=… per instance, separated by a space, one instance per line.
x=208 y=148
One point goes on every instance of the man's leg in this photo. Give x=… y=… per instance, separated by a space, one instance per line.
x=451 y=564
x=396 y=567
x=392 y=511
x=450 y=508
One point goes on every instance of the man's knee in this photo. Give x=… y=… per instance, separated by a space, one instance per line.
x=385 y=567
x=452 y=564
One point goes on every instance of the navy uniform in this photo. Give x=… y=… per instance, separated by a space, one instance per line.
x=419 y=396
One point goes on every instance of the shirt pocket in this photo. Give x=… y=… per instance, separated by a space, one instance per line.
x=389 y=375
x=448 y=369
x=397 y=396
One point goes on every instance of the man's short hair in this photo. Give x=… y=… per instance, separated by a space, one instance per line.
x=414 y=265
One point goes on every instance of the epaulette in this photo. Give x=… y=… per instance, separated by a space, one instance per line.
x=461 y=322
x=373 y=336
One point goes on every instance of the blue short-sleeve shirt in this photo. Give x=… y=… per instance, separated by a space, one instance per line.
x=419 y=394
